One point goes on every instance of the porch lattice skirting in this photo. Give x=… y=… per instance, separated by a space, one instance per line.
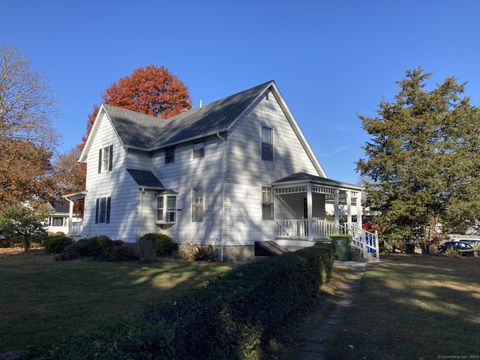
x=364 y=242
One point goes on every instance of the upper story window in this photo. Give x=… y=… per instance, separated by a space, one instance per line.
x=102 y=210
x=105 y=157
x=197 y=205
x=167 y=208
x=267 y=144
x=170 y=155
x=198 y=149
x=267 y=203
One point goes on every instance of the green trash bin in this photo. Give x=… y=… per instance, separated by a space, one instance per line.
x=343 y=247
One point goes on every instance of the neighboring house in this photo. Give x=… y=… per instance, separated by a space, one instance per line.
x=234 y=173
x=58 y=219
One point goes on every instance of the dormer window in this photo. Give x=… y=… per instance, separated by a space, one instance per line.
x=166 y=209
x=105 y=157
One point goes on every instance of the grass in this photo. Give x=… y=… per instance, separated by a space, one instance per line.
x=413 y=307
x=41 y=299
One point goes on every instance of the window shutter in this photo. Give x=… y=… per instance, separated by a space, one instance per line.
x=108 y=210
x=110 y=162
x=97 y=206
x=99 y=161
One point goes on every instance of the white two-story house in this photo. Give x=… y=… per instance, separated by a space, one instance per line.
x=235 y=173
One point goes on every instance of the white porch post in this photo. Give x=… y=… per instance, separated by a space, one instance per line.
x=70 y=215
x=359 y=209
x=349 y=209
x=336 y=210
x=310 y=212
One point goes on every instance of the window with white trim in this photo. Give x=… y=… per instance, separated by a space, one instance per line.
x=267 y=203
x=56 y=221
x=267 y=143
x=167 y=209
x=197 y=205
x=198 y=149
x=105 y=158
x=102 y=210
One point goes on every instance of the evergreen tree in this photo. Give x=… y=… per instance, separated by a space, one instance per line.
x=422 y=160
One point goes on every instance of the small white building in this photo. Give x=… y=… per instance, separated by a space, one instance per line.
x=235 y=173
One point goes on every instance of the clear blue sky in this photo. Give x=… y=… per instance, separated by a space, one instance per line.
x=331 y=59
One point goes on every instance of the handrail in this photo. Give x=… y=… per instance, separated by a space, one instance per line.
x=365 y=242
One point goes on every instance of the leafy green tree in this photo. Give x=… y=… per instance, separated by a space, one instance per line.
x=422 y=160
x=23 y=223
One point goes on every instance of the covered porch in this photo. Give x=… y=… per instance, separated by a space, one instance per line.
x=310 y=208
x=75 y=228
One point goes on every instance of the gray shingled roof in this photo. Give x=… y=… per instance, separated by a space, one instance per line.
x=301 y=176
x=145 y=178
x=149 y=132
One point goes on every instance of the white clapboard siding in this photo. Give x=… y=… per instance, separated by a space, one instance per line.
x=185 y=174
x=246 y=172
x=117 y=184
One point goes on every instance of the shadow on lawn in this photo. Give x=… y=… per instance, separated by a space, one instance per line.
x=41 y=298
x=412 y=307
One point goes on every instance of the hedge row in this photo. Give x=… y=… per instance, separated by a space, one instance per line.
x=231 y=317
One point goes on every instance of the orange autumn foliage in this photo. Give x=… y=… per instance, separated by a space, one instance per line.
x=151 y=90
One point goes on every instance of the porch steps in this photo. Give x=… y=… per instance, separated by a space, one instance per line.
x=266 y=248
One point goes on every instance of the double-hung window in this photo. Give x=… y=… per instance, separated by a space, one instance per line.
x=267 y=144
x=267 y=203
x=170 y=155
x=197 y=205
x=56 y=221
x=105 y=158
x=102 y=210
x=167 y=208
x=198 y=149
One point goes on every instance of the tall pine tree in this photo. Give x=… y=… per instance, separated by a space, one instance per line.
x=422 y=160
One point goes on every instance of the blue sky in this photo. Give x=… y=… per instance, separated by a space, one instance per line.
x=332 y=60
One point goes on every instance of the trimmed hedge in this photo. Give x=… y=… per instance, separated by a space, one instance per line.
x=99 y=247
x=162 y=243
x=230 y=317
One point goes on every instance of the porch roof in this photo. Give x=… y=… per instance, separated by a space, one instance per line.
x=75 y=196
x=302 y=177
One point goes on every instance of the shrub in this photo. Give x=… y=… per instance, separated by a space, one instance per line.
x=55 y=244
x=226 y=318
x=156 y=244
x=99 y=247
x=118 y=251
x=198 y=252
x=73 y=251
x=95 y=245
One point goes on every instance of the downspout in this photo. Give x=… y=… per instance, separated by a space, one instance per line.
x=224 y=166
x=142 y=191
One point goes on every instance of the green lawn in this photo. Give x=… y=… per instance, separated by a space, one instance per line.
x=41 y=299
x=413 y=307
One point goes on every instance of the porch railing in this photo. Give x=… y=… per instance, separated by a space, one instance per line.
x=364 y=242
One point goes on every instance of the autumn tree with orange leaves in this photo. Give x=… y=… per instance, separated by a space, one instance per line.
x=151 y=90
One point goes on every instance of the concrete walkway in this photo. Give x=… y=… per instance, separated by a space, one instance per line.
x=314 y=348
